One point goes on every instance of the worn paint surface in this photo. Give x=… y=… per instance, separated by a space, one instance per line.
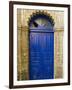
x=41 y=55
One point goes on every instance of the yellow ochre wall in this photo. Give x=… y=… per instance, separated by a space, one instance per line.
x=23 y=17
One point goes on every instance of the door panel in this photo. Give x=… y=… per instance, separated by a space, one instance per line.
x=41 y=63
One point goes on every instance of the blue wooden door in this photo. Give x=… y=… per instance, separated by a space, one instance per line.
x=41 y=63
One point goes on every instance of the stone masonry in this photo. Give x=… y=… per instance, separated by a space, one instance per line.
x=23 y=17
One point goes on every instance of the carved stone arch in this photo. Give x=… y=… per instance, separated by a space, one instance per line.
x=41 y=14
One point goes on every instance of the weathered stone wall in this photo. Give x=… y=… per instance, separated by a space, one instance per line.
x=58 y=54
x=23 y=17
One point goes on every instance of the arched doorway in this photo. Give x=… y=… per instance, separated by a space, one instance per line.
x=41 y=45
